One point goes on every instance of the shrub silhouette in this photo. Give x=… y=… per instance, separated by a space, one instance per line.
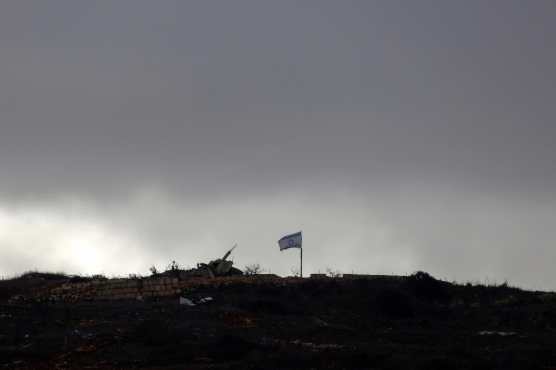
x=253 y=269
x=426 y=287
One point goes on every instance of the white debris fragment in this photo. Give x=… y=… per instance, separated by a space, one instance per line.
x=186 y=302
x=500 y=333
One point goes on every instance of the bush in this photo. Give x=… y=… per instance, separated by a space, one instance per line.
x=426 y=287
x=173 y=266
x=333 y=273
x=253 y=269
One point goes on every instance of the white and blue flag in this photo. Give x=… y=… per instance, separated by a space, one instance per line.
x=290 y=241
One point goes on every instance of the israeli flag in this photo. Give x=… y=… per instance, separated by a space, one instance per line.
x=290 y=241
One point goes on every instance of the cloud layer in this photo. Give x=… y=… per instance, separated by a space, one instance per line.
x=397 y=136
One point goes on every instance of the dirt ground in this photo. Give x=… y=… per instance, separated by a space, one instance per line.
x=418 y=323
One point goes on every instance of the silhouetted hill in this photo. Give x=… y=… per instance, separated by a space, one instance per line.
x=415 y=322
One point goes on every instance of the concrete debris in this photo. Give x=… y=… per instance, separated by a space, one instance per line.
x=186 y=302
x=189 y=302
x=500 y=333
x=314 y=347
x=317 y=346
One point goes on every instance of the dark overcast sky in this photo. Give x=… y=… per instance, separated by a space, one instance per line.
x=398 y=135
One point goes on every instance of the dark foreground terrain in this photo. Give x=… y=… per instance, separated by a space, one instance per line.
x=415 y=323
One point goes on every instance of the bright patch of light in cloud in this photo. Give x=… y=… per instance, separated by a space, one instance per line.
x=62 y=240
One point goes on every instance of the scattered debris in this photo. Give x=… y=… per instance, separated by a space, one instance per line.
x=206 y=300
x=500 y=333
x=314 y=347
x=317 y=346
x=186 y=302
x=189 y=302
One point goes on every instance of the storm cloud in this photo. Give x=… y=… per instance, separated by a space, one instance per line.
x=398 y=135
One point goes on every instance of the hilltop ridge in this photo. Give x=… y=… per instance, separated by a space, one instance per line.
x=379 y=322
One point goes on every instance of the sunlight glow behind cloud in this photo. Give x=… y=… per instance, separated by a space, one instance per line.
x=62 y=240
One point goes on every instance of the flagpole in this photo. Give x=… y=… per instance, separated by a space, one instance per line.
x=301 y=262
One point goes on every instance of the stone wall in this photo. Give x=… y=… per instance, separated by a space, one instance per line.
x=158 y=287
x=117 y=289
